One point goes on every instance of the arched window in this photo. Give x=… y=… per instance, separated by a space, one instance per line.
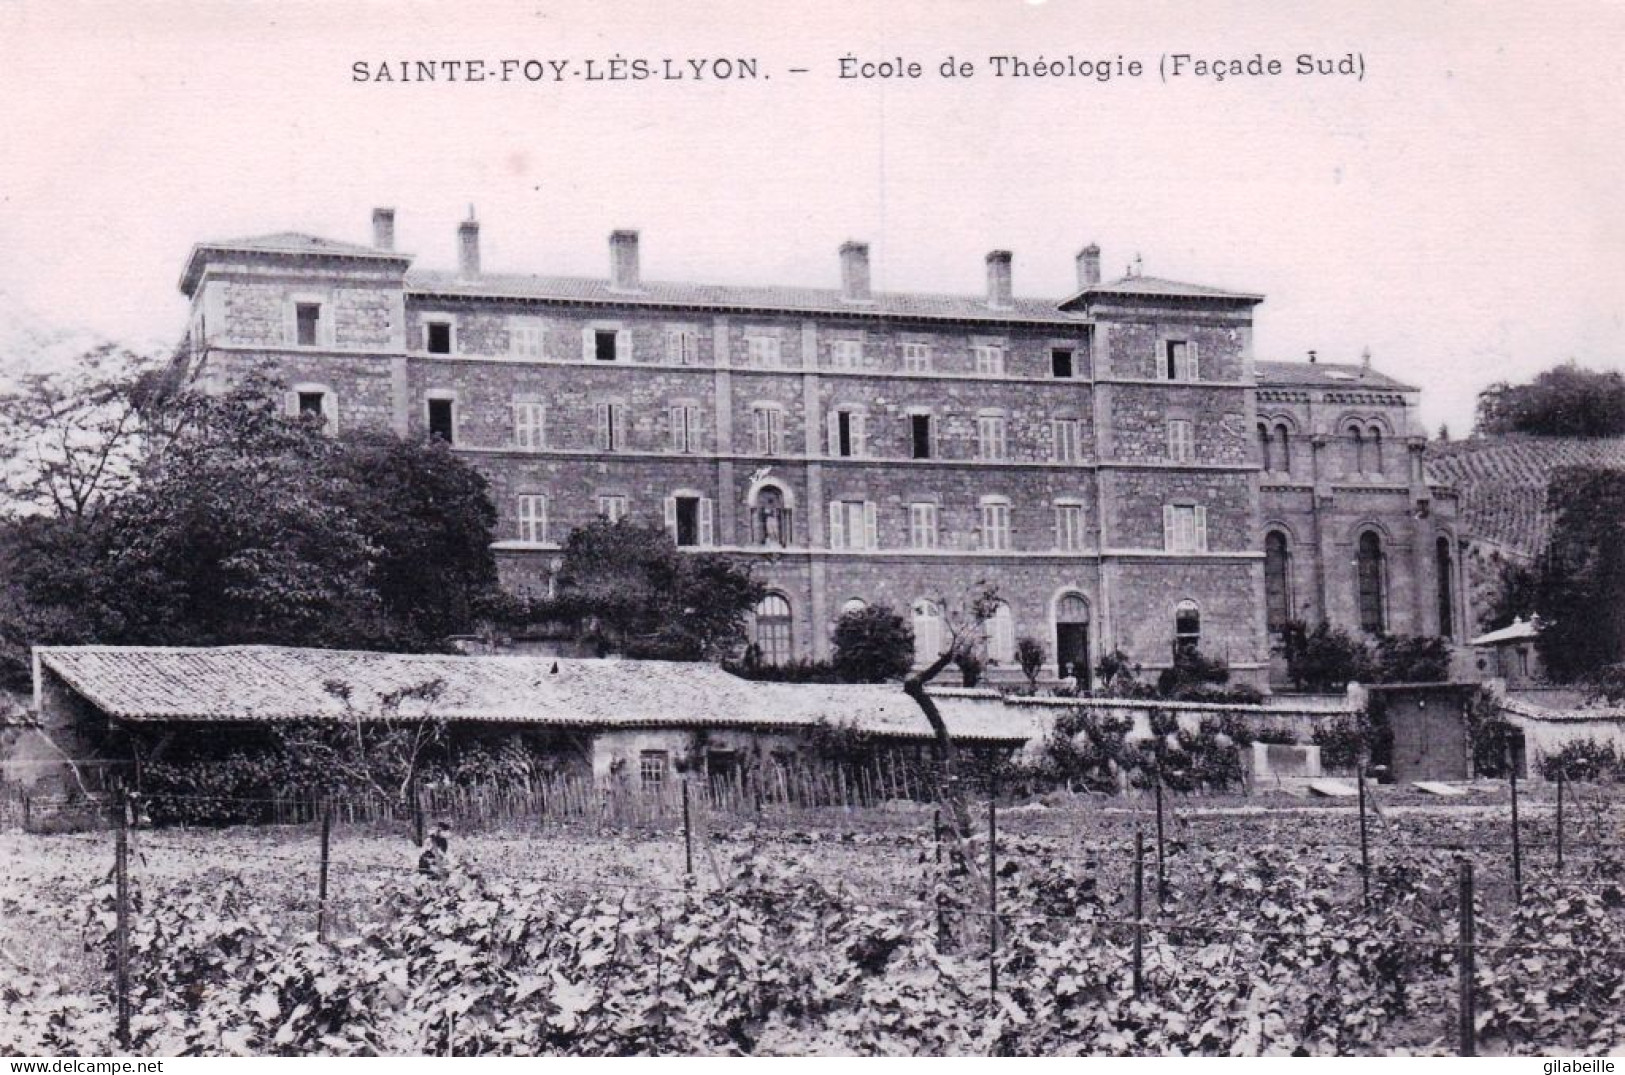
x=1376 y=450
x=1277 y=581
x=927 y=632
x=1369 y=575
x=1359 y=449
x=1001 y=635
x=1264 y=445
x=773 y=629
x=1187 y=627
x=1286 y=448
x=1444 y=576
x=854 y=604
x=771 y=519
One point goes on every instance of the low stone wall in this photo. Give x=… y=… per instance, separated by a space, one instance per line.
x=1276 y=717
x=1548 y=731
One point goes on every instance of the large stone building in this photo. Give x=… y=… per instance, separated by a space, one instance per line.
x=1115 y=460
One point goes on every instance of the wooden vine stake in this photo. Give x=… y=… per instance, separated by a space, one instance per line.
x=121 y=929
x=1464 y=964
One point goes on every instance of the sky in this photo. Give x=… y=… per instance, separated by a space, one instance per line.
x=1457 y=210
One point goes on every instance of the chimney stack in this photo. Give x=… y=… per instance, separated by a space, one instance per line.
x=855 y=272
x=468 y=246
x=624 y=273
x=383 y=229
x=998 y=279
x=1088 y=266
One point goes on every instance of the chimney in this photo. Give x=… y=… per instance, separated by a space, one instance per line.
x=998 y=279
x=624 y=274
x=1312 y=357
x=1088 y=266
x=383 y=229
x=468 y=246
x=855 y=272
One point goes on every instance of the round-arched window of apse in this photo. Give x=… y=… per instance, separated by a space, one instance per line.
x=773 y=638
x=1187 y=627
x=1444 y=575
x=1277 y=582
x=1369 y=583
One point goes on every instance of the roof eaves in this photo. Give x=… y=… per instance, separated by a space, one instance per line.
x=193 y=270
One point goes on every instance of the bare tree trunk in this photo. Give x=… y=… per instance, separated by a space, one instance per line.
x=942 y=748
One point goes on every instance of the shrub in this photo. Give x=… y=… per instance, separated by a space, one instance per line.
x=1030 y=655
x=800 y=670
x=1086 y=748
x=1326 y=658
x=1585 y=760
x=1412 y=659
x=1192 y=671
x=872 y=645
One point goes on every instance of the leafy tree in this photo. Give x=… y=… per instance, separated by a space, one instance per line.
x=626 y=587
x=1581 y=587
x=1412 y=659
x=873 y=644
x=1565 y=401
x=1516 y=593
x=244 y=525
x=1326 y=658
x=72 y=437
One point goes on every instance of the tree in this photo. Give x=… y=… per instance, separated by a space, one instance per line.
x=1565 y=401
x=71 y=437
x=626 y=587
x=872 y=645
x=1326 y=658
x=1581 y=587
x=1030 y=656
x=1412 y=659
x=964 y=624
x=244 y=525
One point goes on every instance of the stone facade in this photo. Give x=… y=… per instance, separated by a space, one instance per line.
x=1095 y=457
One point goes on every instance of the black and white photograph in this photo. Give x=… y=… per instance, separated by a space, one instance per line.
x=986 y=528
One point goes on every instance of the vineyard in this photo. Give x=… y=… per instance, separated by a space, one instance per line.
x=1248 y=928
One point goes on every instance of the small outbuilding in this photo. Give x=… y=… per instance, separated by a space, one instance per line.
x=1510 y=654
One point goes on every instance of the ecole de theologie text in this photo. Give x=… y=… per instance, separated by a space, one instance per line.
x=1168 y=67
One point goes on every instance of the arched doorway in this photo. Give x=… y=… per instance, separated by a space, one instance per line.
x=1072 y=638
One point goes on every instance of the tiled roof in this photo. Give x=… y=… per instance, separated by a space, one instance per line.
x=1518 y=629
x=732 y=297
x=1326 y=375
x=282 y=242
x=1158 y=286
x=275 y=683
x=1501 y=481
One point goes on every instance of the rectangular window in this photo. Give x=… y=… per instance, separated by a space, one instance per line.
x=1069 y=527
x=1181 y=440
x=689 y=520
x=995 y=525
x=846 y=354
x=990 y=436
x=682 y=347
x=1184 y=528
x=1060 y=363
x=307 y=322
x=852 y=525
x=533 y=517
x=1065 y=432
x=312 y=404
x=769 y=430
x=652 y=770
x=989 y=359
x=847 y=433
x=922 y=525
x=610 y=431
x=917 y=357
x=604 y=347
x=442 y=420
x=763 y=350
x=685 y=420
x=612 y=506
x=1178 y=361
x=530 y=424
x=919 y=428
x=525 y=338
x=437 y=337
